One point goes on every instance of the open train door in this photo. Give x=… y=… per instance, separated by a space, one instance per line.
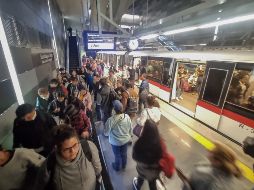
x=213 y=92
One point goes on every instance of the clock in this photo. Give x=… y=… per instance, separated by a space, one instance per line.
x=133 y=44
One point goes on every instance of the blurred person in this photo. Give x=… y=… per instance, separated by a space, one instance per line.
x=73 y=88
x=143 y=92
x=90 y=80
x=181 y=74
x=57 y=106
x=18 y=167
x=150 y=154
x=78 y=119
x=74 y=164
x=112 y=79
x=151 y=112
x=130 y=103
x=219 y=174
x=32 y=129
x=42 y=100
x=125 y=72
x=86 y=98
x=53 y=88
x=103 y=100
x=119 y=130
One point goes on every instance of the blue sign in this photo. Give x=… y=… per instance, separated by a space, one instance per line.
x=94 y=42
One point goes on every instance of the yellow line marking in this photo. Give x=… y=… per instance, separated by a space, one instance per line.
x=247 y=172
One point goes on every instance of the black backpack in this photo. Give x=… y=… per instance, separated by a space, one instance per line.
x=51 y=161
x=132 y=104
x=248 y=146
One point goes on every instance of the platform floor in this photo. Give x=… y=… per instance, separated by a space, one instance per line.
x=186 y=150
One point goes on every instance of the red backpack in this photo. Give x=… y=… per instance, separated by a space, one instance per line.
x=167 y=162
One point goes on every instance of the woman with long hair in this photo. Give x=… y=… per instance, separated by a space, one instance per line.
x=147 y=152
x=219 y=174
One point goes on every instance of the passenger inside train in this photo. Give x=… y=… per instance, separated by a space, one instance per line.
x=126 y=95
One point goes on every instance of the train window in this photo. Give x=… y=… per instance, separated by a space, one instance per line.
x=214 y=85
x=166 y=78
x=154 y=69
x=241 y=90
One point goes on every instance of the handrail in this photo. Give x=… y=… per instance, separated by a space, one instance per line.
x=106 y=181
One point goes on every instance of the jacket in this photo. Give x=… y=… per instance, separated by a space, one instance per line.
x=79 y=174
x=56 y=104
x=153 y=113
x=209 y=178
x=41 y=104
x=144 y=86
x=119 y=129
x=13 y=174
x=87 y=100
x=34 y=134
x=81 y=122
x=103 y=98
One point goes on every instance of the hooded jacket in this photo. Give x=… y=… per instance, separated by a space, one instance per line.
x=79 y=174
x=103 y=98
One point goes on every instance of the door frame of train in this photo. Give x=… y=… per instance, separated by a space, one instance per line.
x=208 y=112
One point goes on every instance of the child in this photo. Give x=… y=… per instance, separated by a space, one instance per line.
x=42 y=100
x=57 y=106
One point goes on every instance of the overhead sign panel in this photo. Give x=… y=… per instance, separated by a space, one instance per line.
x=93 y=41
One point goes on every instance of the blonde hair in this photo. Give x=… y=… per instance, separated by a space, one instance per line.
x=227 y=159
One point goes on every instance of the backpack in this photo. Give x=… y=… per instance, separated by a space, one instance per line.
x=132 y=104
x=113 y=95
x=51 y=161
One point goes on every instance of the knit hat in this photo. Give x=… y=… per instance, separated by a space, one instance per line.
x=7 y=142
x=118 y=106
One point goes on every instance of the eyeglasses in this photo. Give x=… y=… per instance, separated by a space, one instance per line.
x=75 y=147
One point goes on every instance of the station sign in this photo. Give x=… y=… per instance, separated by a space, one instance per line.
x=94 y=41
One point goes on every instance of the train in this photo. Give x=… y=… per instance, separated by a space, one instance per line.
x=216 y=87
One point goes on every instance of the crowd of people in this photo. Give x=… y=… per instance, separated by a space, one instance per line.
x=53 y=141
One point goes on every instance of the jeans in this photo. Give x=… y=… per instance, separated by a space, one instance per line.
x=120 y=153
x=152 y=184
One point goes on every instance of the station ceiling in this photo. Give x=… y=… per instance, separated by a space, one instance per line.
x=156 y=16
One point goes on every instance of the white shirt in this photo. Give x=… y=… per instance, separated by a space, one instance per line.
x=153 y=113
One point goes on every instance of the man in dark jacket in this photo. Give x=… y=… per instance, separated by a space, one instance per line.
x=103 y=99
x=143 y=92
x=32 y=129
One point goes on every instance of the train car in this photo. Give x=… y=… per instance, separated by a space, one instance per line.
x=216 y=88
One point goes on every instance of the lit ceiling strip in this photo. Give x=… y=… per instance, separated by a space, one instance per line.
x=54 y=36
x=203 y=26
x=10 y=64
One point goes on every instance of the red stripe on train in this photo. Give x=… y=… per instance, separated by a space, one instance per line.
x=238 y=118
x=209 y=107
x=232 y=115
x=160 y=85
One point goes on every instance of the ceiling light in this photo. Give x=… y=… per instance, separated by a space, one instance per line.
x=149 y=36
x=10 y=64
x=187 y=29
x=125 y=26
x=202 y=44
x=228 y=21
x=118 y=42
x=220 y=11
x=218 y=18
x=129 y=16
x=160 y=21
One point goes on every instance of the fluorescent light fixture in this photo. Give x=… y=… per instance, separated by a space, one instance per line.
x=125 y=26
x=220 y=11
x=118 y=42
x=54 y=36
x=129 y=16
x=10 y=64
x=215 y=33
x=202 y=44
x=228 y=21
x=149 y=36
x=177 y=31
x=160 y=21
x=218 y=18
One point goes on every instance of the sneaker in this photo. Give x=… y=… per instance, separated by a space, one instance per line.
x=181 y=97
x=135 y=183
x=177 y=99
